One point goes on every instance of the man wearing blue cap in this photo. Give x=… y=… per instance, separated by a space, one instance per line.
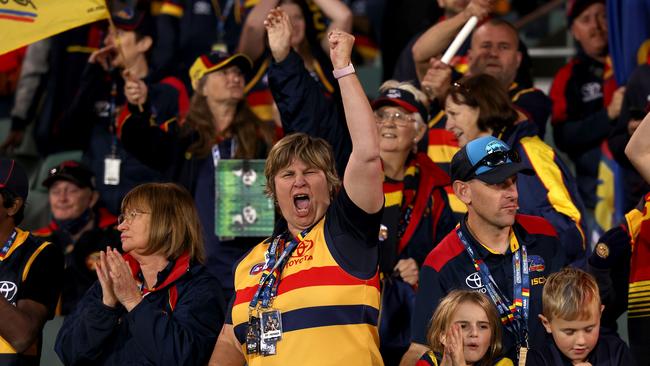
x=30 y=274
x=494 y=250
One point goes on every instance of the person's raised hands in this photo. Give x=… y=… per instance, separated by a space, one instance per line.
x=135 y=90
x=479 y=8
x=278 y=30
x=437 y=80
x=341 y=44
x=124 y=285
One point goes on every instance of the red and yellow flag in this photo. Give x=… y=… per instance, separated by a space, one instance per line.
x=26 y=21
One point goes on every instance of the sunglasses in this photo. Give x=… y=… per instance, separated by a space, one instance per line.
x=495 y=159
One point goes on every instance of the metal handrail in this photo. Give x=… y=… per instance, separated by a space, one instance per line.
x=551 y=52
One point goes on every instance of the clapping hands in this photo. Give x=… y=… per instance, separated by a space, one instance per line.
x=116 y=279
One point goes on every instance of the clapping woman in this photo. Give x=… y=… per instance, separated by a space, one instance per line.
x=156 y=304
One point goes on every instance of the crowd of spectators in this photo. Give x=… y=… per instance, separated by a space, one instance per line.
x=483 y=223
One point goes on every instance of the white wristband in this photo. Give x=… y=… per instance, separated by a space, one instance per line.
x=339 y=73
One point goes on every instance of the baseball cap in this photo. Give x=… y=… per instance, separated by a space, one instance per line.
x=218 y=60
x=71 y=171
x=401 y=98
x=576 y=7
x=487 y=159
x=13 y=178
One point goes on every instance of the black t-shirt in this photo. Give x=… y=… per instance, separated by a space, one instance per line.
x=351 y=236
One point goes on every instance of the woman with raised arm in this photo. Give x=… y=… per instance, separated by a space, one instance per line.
x=416 y=212
x=308 y=18
x=313 y=286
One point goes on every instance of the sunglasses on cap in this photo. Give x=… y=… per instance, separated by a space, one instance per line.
x=495 y=159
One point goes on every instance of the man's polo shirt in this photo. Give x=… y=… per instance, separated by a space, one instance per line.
x=449 y=267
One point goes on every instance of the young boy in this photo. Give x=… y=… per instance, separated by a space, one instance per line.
x=571 y=311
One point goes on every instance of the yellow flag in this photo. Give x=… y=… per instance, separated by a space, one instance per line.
x=26 y=21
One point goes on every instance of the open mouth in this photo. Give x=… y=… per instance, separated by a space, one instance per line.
x=301 y=203
x=388 y=135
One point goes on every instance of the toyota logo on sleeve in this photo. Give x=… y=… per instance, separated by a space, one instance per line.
x=8 y=290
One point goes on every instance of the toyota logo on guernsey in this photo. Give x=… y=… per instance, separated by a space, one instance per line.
x=8 y=290
x=302 y=248
x=474 y=282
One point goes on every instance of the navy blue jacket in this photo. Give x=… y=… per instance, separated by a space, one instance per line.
x=449 y=267
x=177 y=324
x=87 y=126
x=580 y=120
x=609 y=351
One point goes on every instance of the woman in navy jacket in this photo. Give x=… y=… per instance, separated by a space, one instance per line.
x=156 y=305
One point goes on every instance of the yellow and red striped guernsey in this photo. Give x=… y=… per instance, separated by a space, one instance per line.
x=329 y=317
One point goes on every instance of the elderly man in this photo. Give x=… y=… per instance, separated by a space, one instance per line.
x=488 y=248
x=30 y=274
x=79 y=227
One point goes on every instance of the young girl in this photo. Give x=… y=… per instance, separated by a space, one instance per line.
x=464 y=330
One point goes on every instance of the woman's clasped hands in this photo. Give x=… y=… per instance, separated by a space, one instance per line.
x=116 y=279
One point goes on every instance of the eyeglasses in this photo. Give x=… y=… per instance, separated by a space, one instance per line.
x=129 y=216
x=495 y=159
x=399 y=118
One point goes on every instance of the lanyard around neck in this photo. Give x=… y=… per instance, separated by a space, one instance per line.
x=514 y=315
x=273 y=266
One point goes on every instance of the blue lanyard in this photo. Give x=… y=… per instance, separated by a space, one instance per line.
x=514 y=316
x=8 y=243
x=273 y=265
x=221 y=24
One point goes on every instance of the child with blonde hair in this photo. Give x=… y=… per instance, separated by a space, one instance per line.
x=571 y=311
x=465 y=330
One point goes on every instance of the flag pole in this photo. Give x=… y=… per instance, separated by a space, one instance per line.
x=460 y=38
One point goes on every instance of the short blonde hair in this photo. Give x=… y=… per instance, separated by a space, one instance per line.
x=407 y=86
x=175 y=226
x=568 y=293
x=441 y=321
x=313 y=151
